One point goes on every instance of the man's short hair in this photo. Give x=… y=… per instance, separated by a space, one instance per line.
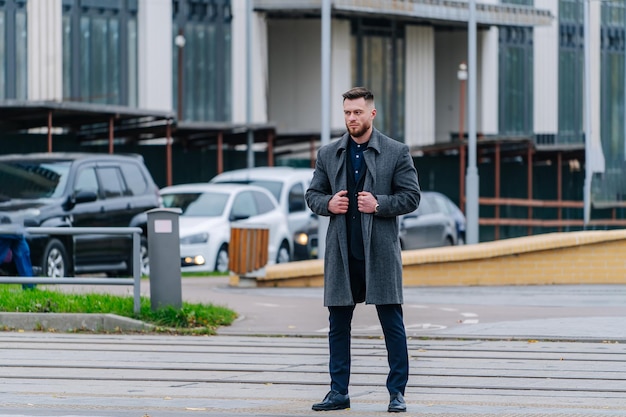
x=358 y=92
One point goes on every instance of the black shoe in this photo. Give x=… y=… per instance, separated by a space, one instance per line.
x=396 y=403
x=333 y=401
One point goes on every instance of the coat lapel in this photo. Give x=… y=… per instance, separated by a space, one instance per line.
x=340 y=180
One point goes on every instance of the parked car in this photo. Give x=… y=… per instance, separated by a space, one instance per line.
x=79 y=190
x=305 y=240
x=288 y=186
x=436 y=222
x=209 y=211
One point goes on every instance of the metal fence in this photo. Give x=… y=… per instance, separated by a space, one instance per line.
x=135 y=281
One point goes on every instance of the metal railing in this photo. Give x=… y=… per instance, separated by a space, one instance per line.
x=135 y=281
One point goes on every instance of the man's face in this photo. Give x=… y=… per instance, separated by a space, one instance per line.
x=358 y=115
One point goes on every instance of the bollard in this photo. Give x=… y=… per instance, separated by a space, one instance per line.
x=164 y=258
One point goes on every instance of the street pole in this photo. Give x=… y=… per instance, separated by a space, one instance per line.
x=472 y=180
x=325 y=110
x=587 y=117
x=249 y=95
x=180 y=43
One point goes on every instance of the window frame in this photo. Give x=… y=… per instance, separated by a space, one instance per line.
x=76 y=16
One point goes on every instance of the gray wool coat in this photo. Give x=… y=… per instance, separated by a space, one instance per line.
x=391 y=176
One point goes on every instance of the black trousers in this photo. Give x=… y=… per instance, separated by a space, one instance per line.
x=392 y=322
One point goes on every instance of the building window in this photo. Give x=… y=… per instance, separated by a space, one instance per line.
x=100 y=51
x=571 y=58
x=378 y=64
x=202 y=61
x=612 y=185
x=516 y=81
x=13 y=50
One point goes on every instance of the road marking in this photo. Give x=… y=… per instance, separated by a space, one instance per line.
x=425 y=326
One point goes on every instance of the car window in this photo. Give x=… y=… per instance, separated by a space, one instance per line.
x=135 y=180
x=273 y=187
x=426 y=206
x=197 y=204
x=32 y=179
x=264 y=203
x=86 y=180
x=244 y=206
x=442 y=205
x=111 y=182
x=296 y=198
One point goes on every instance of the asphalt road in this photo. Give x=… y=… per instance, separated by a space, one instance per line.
x=552 y=311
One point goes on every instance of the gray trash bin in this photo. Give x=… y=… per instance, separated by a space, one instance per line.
x=164 y=255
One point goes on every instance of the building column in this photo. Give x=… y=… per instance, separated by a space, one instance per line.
x=155 y=43
x=546 y=72
x=488 y=86
x=420 y=86
x=45 y=50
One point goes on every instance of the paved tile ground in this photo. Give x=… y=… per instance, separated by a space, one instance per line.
x=492 y=366
x=46 y=374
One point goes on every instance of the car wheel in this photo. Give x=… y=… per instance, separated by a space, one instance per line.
x=55 y=260
x=449 y=241
x=221 y=261
x=283 y=254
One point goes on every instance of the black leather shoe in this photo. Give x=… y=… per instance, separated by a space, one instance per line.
x=333 y=401
x=396 y=403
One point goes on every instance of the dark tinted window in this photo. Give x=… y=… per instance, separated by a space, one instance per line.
x=111 y=182
x=134 y=178
x=86 y=180
x=296 y=198
x=32 y=179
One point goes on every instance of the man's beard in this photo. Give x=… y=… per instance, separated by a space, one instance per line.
x=358 y=131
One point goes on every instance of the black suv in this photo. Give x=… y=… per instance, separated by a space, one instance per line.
x=80 y=190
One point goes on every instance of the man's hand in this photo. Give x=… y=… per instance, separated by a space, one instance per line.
x=366 y=202
x=338 y=204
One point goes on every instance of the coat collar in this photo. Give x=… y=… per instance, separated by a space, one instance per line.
x=374 y=142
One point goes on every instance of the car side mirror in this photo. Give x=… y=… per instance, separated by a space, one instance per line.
x=78 y=198
x=85 y=197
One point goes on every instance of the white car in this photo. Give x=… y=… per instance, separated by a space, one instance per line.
x=287 y=184
x=209 y=210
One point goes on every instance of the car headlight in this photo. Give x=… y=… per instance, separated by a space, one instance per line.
x=195 y=239
x=301 y=238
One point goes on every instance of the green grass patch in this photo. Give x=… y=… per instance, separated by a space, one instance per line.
x=191 y=318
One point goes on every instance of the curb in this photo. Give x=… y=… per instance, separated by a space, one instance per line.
x=71 y=322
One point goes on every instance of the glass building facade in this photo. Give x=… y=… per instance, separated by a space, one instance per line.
x=13 y=50
x=202 y=60
x=100 y=51
x=378 y=62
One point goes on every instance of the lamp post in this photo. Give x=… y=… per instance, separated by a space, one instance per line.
x=472 y=179
x=462 y=76
x=179 y=41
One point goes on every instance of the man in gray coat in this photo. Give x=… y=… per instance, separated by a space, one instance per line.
x=363 y=182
